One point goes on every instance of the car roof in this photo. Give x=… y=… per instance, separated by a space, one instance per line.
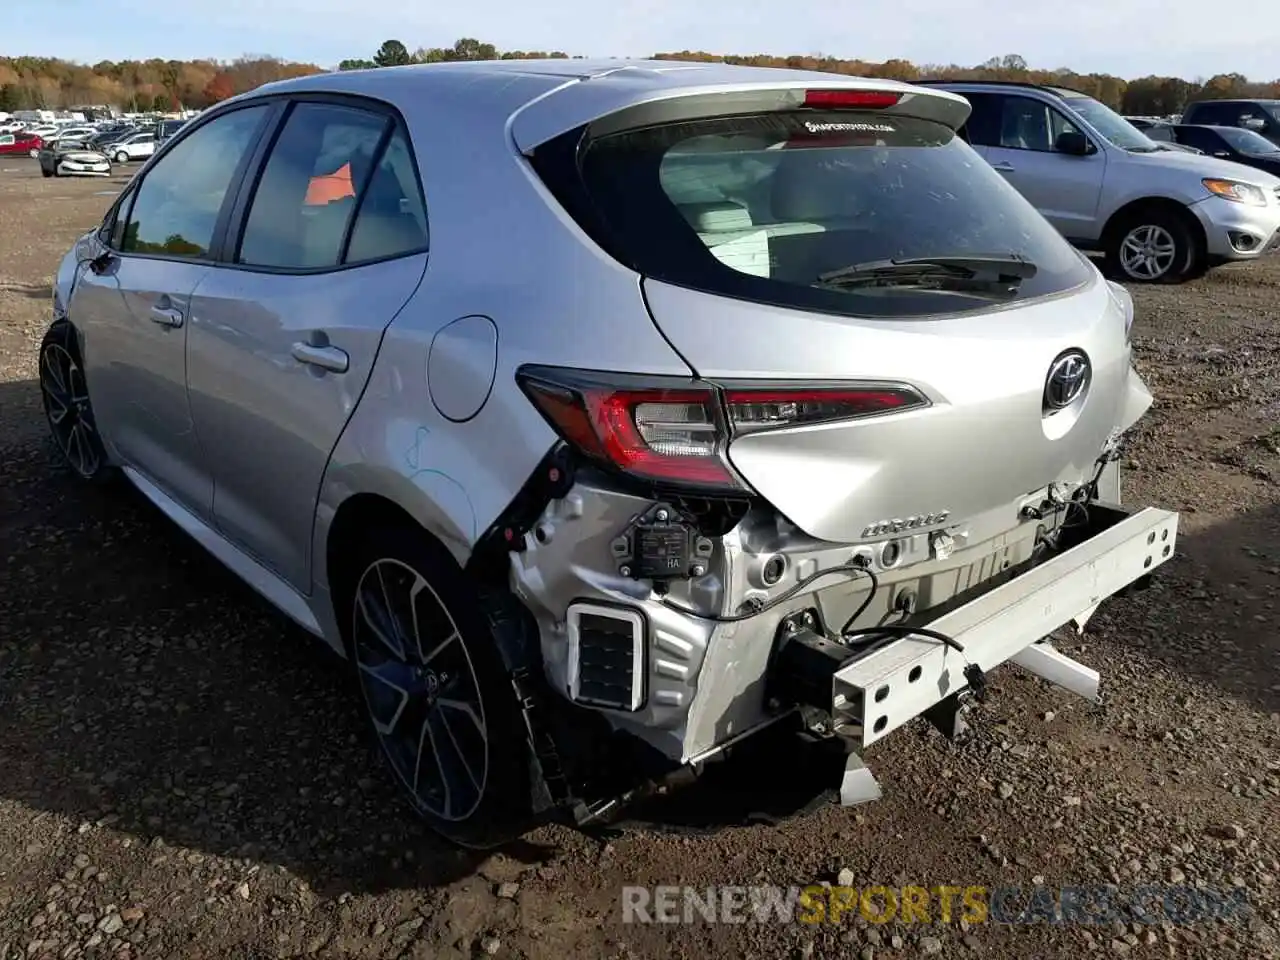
x=1269 y=101
x=1064 y=92
x=543 y=98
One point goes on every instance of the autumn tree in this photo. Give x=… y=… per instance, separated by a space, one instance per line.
x=219 y=87
x=33 y=82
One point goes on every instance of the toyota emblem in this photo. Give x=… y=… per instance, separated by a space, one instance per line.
x=1067 y=380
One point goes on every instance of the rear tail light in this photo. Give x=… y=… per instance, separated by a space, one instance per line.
x=752 y=410
x=672 y=430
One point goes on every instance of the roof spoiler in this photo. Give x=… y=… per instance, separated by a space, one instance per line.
x=610 y=108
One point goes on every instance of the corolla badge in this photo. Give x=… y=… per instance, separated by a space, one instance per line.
x=1068 y=378
x=900 y=525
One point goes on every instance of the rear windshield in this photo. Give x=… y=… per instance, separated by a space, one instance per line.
x=760 y=207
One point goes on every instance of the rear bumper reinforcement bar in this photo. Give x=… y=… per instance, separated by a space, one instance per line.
x=875 y=694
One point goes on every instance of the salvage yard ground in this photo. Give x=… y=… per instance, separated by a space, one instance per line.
x=182 y=776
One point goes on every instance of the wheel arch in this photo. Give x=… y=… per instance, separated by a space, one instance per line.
x=339 y=527
x=1143 y=205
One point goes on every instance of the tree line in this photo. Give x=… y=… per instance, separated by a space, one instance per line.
x=165 y=85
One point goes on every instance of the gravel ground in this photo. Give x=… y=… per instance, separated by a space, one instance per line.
x=180 y=776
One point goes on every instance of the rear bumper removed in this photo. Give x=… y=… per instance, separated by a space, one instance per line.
x=876 y=693
x=690 y=689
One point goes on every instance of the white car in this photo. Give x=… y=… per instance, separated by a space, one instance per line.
x=137 y=146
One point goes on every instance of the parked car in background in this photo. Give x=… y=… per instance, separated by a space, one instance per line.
x=1232 y=143
x=703 y=456
x=134 y=146
x=1161 y=132
x=104 y=140
x=73 y=158
x=20 y=143
x=72 y=133
x=164 y=129
x=1157 y=216
x=1260 y=116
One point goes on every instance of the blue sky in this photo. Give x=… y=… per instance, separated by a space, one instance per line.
x=1125 y=37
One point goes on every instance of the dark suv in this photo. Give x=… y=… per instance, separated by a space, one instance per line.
x=1262 y=116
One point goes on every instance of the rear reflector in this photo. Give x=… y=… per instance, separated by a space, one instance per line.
x=677 y=431
x=847 y=99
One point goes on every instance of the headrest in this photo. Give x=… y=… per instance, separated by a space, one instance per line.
x=722 y=217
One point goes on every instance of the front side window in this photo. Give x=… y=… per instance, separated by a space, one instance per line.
x=307 y=195
x=1111 y=126
x=770 y=207
x=177 y=206
x=1248 y=141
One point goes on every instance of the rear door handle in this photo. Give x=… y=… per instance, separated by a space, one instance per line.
x=1003 y=167
x=166 y=316
x=326 y=358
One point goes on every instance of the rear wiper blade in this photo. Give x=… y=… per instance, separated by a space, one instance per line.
x=975 y=273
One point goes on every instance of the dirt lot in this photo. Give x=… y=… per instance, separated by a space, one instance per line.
x=180 y=776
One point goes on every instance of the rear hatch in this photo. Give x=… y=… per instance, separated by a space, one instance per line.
x=850 y=242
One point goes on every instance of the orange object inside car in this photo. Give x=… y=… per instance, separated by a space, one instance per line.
x=329 y=187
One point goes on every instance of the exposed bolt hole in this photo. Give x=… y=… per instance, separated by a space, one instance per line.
x=914 y=675
x=882 y=693
x=540 y=534
x=1164 y=534
x=881 y=724
x=1146 y=563
x=1151 y=537
x=1167 y=548
x=773 y=569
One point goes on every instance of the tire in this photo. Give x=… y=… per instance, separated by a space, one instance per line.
x=33 y=154
x=67 y=407
x=122 y=157
x=443 y=710
x=1153 y=246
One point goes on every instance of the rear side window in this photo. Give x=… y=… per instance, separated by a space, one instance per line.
x=339 y=186
x=1211 y=113
x=391 y=219
x=761 y=207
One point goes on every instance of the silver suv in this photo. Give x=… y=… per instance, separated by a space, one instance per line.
x=1156 y=215
x=606 y=414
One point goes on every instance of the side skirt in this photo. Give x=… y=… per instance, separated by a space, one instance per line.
x=276 y=591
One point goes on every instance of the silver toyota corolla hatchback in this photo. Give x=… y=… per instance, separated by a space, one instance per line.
x=606 y=414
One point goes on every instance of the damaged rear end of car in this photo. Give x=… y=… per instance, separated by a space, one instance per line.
x=893 y=465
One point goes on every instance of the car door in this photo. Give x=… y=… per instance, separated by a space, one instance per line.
x=132 y=303
x=331 y=244
x=1065 y=188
